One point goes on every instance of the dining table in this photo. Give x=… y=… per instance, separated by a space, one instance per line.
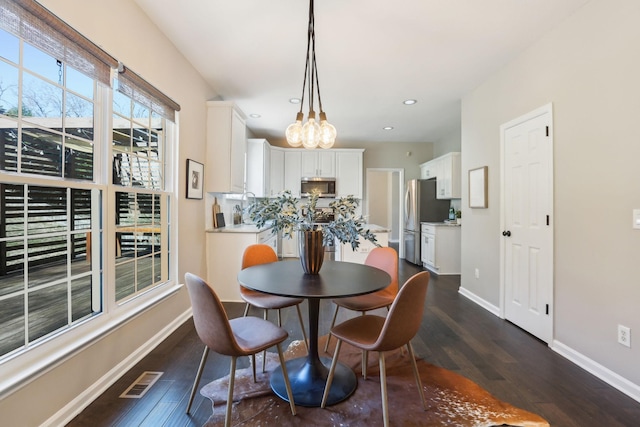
x=336 y=279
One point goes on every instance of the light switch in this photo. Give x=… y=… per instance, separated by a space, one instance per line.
x=636 y=218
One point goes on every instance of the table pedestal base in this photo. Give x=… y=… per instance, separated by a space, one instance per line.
x=308 y=378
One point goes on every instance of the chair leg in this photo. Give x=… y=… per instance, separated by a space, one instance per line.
x=264 y=353
x=246 y=310
x=304 y=333
x=333 y=322
x=332 y=370
x=232 y=378
x=416 y=374
x=287 y=384
x=365 y=362
x=203 y=361
x=383 y=390
x=253 y=366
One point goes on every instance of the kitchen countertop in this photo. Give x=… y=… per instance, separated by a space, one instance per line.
x=446 y=224
x=252 y=228
x=238 y=228
x=374 y=228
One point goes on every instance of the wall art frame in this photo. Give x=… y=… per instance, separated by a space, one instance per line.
x=478 y=185
x=195 y=179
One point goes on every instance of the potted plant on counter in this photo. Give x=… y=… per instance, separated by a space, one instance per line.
x=459 y=217
x=288 y=214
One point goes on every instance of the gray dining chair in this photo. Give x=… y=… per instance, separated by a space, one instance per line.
x=243 y=336
x=377 y=333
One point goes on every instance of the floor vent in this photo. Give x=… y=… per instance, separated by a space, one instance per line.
x=141 y=385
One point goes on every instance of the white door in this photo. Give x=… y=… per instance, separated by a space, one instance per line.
x=527 y=234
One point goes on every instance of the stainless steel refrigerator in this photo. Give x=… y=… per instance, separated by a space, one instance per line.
x=420 y=205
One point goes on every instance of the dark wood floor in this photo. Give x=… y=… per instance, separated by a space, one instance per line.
x=456 y=334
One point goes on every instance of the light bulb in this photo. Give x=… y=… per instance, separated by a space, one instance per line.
x=311 y=132
x=294 y=132
x=327 y=132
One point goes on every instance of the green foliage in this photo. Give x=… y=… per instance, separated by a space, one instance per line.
x=287 y=214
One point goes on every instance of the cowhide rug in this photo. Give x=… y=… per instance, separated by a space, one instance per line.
x=452 y=400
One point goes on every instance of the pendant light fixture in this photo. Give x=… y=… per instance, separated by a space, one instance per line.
x=313 y=133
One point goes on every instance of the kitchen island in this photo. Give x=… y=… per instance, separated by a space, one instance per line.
x=225 y=246
x=359 y=255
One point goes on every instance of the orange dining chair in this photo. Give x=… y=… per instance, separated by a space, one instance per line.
x=384 y=258
x=263 y=254
x=244 y=336
x=377 y=333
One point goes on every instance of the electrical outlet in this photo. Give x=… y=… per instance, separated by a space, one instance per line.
x=477 y=273
x=624 y=335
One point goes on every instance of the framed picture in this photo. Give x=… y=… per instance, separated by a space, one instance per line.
x=478 y=187
x=195 y=179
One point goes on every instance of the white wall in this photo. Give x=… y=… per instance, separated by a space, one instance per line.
x=589 y=68
x=120 y=28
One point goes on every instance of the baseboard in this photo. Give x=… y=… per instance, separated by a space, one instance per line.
x=77 y=405
x=481 y=302
x=614 y=380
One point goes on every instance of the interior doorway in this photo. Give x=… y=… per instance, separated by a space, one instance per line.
x=383 y=201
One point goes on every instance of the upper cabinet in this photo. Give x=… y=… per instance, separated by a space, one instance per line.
x=349 y=173
x=318 y=163
x=258 y=167
x=226 y=148
x=292 y=168
x=448 y=181
x=276 y=172
x=446 y=170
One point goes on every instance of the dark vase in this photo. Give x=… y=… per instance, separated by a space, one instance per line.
x=311 y=251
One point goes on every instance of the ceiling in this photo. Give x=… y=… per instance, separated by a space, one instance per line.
x=371 y=56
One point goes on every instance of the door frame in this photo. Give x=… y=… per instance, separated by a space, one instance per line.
x=545 y=109
x=400 y=190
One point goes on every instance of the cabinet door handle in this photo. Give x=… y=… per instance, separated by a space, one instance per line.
x=506 y=233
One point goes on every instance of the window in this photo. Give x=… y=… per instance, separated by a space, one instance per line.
x=84 y=200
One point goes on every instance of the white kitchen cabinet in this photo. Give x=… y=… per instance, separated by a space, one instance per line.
x=446 y=170
x=428 y=170
x=290 y=247
x=448 y=181
x=224 y=257
x=360 y=254
x=258 y=167
x=226 y=148
x=349 y=173
x=440 y=248
x=318 y=163
x=292 y=175
x=276 y=171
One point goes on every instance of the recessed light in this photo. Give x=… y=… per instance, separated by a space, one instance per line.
x=294 y=100
x=388 y=128
x=409 y=101
x=255 y=116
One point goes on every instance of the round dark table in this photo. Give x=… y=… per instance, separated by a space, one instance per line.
x=308 y=375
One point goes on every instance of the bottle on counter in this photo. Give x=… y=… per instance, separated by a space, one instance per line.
x=452 y=214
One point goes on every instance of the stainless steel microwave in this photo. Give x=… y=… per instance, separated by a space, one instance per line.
x=325 y=186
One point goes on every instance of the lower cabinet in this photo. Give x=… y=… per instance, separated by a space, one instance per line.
x=440 y=248
x=224 y=258
x=290 y=247
x=347 y=254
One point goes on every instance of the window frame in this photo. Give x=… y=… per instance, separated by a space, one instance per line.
x=18 y=367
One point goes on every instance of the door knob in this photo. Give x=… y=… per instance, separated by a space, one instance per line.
x=506 y=233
